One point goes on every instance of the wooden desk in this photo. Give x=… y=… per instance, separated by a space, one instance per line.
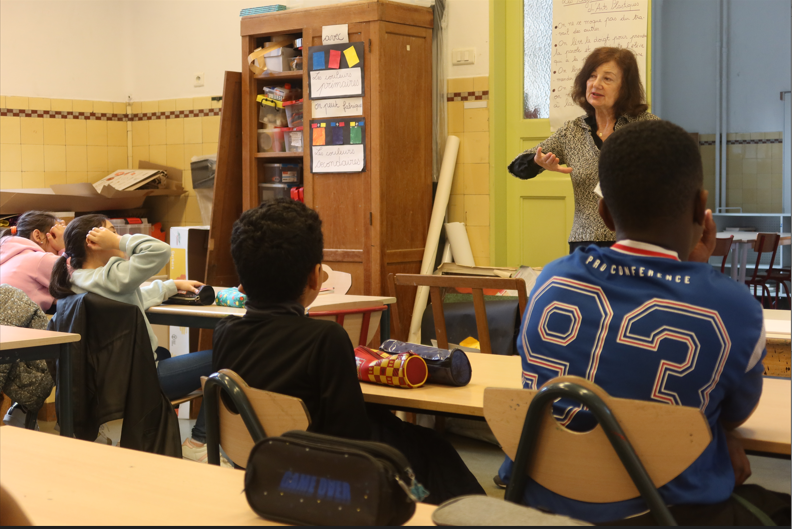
x=60 y=481
x=777 y=325
x=19 y=343
x=767 y=431
x=208 y=316
x=742 y=241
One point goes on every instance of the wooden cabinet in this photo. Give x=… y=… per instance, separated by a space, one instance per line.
x=375 y=222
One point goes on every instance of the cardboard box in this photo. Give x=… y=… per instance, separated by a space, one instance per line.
x=84 y=197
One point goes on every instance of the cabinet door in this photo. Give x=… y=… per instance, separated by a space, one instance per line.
x=343 y=199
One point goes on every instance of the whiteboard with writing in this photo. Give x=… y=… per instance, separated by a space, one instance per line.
x=337 y=108
x=336 y=83
x=338 y=158
x=580 y=26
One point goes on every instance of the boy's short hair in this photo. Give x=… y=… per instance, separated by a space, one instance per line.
x=275 y=246
x=649 y=171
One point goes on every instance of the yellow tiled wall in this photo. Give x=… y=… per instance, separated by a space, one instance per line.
x=469 y=202
x=173 y=142
x=753 y=171
x=39 y=152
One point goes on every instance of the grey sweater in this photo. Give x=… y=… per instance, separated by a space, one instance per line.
x=120 y=279
x=575 y=147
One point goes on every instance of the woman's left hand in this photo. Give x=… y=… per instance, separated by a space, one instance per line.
x=188 y=285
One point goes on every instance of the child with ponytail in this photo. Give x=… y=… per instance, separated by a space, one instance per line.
x=28 y=251
x=96 y=259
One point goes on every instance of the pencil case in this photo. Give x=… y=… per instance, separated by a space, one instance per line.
x=205 y=296
x=402 y=370
x=308 y=478
x=231 y=297
x=451 y=368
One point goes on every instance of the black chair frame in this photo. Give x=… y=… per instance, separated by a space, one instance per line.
x=530 y=436
x=221 y=382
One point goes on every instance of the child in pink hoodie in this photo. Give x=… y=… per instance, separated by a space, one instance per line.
x=28 y=251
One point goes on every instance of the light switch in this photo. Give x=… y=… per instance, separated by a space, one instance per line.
x=463 y=56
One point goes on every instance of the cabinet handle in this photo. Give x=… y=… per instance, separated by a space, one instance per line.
x=369 y=45
x=371 y=218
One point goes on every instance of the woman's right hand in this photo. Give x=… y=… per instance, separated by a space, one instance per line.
x=103 y=239
x=549 y=162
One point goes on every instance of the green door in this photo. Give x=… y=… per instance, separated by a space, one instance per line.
x=530 y=219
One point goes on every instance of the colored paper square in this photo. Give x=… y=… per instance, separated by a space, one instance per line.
x=355 y=135
x=324 y=124
x=319 y=136
x=318 y=60
x=351 y=56
x=337 y=136
x=335 y=59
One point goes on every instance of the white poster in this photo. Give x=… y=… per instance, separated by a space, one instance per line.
x=338 y=158
x=335 y=34
x=579 y=28
x=336 y=83
x=337 y=108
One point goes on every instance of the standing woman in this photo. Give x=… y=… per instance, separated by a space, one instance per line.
x=608 y=87
x=28 y=251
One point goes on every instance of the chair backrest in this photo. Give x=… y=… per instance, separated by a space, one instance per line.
x=765 y=243
x=356 y=322
x=585 y=466
x=273 y=413
x=722 y=248
x=435 y=283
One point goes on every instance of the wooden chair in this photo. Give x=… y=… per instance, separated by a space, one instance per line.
x=781 y=276
x=435 y=283
x=258 y=414
x=765 y=243
x=636 y=447
x=354 y=321
x=722 y=248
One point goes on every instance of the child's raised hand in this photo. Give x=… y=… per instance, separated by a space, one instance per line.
x=103 y=239
x=188 y=285
x=55 y=236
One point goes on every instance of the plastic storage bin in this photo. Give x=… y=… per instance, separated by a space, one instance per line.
x=271 y=140
x=278 y=60
x=294 y=139
x=131 y=226
x=294 y=112
x=282 y=173
x=270 y=192
x=271 y=113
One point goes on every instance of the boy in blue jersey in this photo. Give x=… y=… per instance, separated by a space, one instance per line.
x=649 y=319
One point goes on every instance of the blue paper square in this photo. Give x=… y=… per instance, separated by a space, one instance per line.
x=318 y=60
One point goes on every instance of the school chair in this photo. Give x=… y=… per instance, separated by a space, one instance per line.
x=765 y=243
x=114 y=375
x=781 y=277
x=356 y=322
x=252 y=415
x=435 y=283
x=722 y=248
x=637 y=446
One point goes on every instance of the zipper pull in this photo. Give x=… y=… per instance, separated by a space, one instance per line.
x=416 y=492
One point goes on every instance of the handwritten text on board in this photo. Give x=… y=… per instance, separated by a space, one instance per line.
x=336 y=83
x=335 y=34
x=338 y=158
x=337 y=108
x=581 y=27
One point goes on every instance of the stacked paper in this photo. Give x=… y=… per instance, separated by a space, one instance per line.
x=131 y=179
x=263 y=9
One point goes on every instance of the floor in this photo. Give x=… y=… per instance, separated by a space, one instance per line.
x=483 y=457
